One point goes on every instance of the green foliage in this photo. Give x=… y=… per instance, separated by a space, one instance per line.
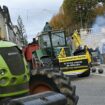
x=80 y=10
x=22 y=30
x=78 y=13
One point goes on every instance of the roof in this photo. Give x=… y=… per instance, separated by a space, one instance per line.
x=6 y=44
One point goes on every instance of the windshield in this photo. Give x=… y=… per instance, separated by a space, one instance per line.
x=57 y=38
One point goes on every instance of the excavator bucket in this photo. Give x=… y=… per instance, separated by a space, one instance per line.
x=46 y=98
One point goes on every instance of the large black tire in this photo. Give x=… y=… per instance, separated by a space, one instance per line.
x=100 y=71
x=4 y=101
x=56 y=81
x=85 y=74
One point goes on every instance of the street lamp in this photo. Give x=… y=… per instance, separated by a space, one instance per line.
x=80 y=8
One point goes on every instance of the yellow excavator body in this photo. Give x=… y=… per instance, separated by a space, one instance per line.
x=78 y=64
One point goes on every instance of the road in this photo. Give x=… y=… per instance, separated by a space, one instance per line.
x=91 y=90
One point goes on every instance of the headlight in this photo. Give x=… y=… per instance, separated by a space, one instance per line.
x=2 y=71
x=3 y=81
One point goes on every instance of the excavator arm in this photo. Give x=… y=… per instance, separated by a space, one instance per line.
x=79 y=48
x=76 y=40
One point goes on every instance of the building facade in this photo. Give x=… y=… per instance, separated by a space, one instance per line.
x=8 y=31
x=3 y=33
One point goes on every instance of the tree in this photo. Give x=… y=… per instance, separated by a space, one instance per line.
x=22 y=30
x=80 y=10
x=57 y=21
x=60 y=20
x=78 y=13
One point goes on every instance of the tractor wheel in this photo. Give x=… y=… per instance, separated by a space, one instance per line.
x=50 y=80
x=5 y=101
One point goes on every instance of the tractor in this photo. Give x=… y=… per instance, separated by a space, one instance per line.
x=20 y=85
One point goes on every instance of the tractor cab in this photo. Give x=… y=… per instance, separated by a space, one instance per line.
x=53 y=42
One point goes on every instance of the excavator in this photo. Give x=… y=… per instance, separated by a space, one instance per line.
x=20 y=85
x=80 y=61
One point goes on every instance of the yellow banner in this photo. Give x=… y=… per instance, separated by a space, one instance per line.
x=72 y=58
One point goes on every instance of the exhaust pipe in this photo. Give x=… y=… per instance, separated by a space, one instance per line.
x=45 y=98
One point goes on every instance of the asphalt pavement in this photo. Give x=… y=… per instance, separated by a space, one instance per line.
x=91 y=90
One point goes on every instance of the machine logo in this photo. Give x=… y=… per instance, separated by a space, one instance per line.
x=12 y=53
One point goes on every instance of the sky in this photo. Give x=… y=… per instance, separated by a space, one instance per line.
x=34 y=13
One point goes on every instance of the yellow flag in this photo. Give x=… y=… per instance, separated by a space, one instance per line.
x=62 y=53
